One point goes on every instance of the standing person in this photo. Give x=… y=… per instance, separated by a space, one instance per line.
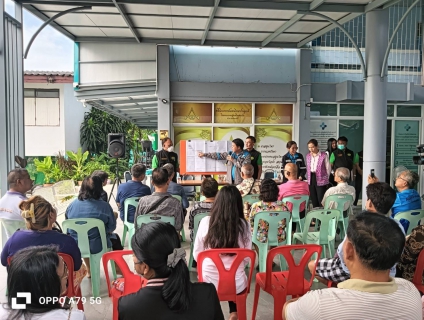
x=255 y=157
x=358 y=179
x=226 y=227
x=236 y=158
x=331 y=147
x=292 y=156
x=166 y=155
x=169 y=293
x=318 y=170
x=343 y=157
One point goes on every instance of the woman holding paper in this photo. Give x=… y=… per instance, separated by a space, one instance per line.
x=235 y=160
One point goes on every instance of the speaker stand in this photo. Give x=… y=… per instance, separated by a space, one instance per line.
x=116 y=182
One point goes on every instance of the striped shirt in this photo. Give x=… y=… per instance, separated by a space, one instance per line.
x=359 y=299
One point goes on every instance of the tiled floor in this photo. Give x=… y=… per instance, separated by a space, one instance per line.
x=103 y=311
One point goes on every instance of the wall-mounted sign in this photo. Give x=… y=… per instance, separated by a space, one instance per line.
x=274 y=113
x=233 y=113
x=322 y=130
x=186 y=112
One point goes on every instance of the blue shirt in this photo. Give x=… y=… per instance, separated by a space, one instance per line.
x=178 y=190
x=406 y=200
x=235 y=156
x=127 y=190
x=26 y=238
x=97 y=209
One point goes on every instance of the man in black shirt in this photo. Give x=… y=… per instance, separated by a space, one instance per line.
x=166 y=155
x=255 y=157
x=343 y=157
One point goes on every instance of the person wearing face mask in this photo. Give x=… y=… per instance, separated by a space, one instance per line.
x=166 y=155
x=343 y=157
x=292 y=156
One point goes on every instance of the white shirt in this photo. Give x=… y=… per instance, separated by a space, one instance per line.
x=57 y=314
x=9 y=206
x=358 y=299
x=341 y=188
x=314 y=162
x=210 y=272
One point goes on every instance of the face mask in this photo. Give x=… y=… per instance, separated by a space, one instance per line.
x=171 y=149
x=341 y=146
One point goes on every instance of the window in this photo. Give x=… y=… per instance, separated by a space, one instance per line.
x=42 y=107
x=318 y=110
x=409 y=111
x=352 y=110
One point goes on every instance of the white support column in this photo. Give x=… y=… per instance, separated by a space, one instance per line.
x=3 y=104
x=301 y=112
x=163 y=89
x=375 y=113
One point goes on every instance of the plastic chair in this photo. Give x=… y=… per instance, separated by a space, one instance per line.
x=282 y=284
x=71 y=291
x=9 y=227
x=327 y=233
x=183 y=237
x=251 y=198
x=418 y=275
x=413 y=216
x=127 y=176
x=269 y=175
x=340 y=200
x=82 y=226
x=226 y=287
x=147 y=218
x=296 y=201
x=132 y=282
x=190 y=191
x=272 y=218
x=129 y=226
x=197 y=218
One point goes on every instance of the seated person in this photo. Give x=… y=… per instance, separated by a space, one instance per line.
x=175 y=188
x=341 y=177
x=104 y=176
x=408 y=261
x=19 y=184
x=249 y=185
x=89 y=205
x=161 y=202
x=40 y=216
x=293 y=187
x=269 y=202
x=374 y=244
x=38 y=265
x=209 y=189
x=380 y=198
x=224 y=228
x=169 y=294
x=130 y=189
x=407 y=198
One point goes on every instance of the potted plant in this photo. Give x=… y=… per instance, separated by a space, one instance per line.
x=80 y=158
x=46 y=167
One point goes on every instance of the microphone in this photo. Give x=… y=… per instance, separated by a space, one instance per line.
x=228 y=161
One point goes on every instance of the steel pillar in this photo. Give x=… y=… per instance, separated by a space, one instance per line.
x=375 y=113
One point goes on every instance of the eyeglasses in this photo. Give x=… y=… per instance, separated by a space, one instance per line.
x=140 y=262
x=399 y=177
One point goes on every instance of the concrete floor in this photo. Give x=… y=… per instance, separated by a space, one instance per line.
x=103 y=310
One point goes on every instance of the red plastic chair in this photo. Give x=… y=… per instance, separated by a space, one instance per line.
x=418 y=275
x=132 y=282
x=71 y=291
x=282 y=283
x=226 y=283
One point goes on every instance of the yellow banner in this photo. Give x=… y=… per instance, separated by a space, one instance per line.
x=192 y=112
x=274 y=113
x=233 y=113
x=230 y=133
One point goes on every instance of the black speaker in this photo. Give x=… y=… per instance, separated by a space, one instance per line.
x=116 y=145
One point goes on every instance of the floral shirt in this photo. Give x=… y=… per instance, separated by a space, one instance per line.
x=249 y=186
x=262 y=232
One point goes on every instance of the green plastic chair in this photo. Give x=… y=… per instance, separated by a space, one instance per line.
x=183 y=237
x=251 y=198
x=8 y=228
x=129 y=226
x=148 y=218
x=413 y=216
x=272 y=239
x=296 y=201
x=327 y=232
x=197 y=218
x=202 y=198
x=81 y=226
x=339 y=200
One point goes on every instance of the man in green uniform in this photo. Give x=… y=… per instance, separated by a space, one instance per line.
x=166 y=155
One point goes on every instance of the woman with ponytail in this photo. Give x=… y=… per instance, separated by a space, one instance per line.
x=225 y=228
x=40 y=217
x=169 y=294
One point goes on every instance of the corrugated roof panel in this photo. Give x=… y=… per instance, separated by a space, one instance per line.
x=290 y=37
x=191 y=11
x=72 y=19
x=188 y=23
x=152 y=22
x=180 y=34
x=307 y=26
x=332 y=15
x=117 y=32
x=86 y=32
x=216 y=35
x=148 y=8
x=156 y=33
x=107 y=20
x=242 y=25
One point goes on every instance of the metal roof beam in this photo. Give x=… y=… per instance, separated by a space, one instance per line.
x=315 y=4
x=153 y=99
x=281 y=29
x=100 y=3
x=375 y=4
x=327 y=29
x=127 y=20
x=53 y=24
x=210 y=20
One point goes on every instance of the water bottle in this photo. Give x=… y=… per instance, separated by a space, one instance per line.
x=275 y=174
x=178 y=178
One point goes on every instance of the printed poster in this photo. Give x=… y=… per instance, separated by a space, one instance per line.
x=322 y=130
